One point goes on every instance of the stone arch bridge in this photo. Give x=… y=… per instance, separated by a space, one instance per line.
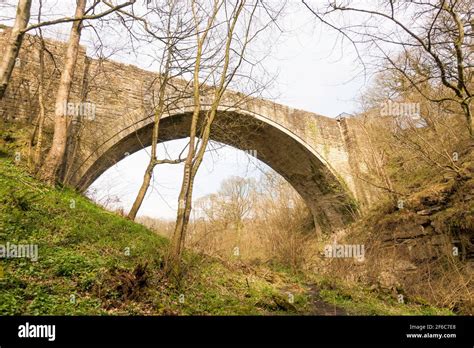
x=317 y=155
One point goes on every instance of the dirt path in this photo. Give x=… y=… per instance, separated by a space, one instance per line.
x=321 y=307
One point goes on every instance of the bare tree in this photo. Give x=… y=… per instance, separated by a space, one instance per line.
x=237 y=200
x=33 y=159
x=21 y=27
x=54 y=159
x=223 y=74
x=173 y=35
x=61 y=123
x=184 y=204
x=434 y=38
x=16 y=38
x=264 y=221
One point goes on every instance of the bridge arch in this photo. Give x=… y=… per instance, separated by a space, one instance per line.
x=320 y=156
x=301 y=165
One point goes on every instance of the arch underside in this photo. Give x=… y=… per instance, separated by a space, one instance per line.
x=326 y=197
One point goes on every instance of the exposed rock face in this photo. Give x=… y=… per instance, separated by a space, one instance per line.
x=428 y=248
x=423 y=250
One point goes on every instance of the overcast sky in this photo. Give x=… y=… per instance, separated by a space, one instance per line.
x=312 y=73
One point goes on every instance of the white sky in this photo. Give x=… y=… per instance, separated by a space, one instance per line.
x=312 y=73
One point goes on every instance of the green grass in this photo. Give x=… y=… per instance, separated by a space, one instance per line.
x=357 y=300
x=84 y=267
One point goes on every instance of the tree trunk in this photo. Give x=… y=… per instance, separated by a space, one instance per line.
x=154 y=140
x=16 y=37
x=56 y=153
x=194 y=158
x=182 y=218
x=469 y=120
x=42 y=112
x=143 y=189
x=177 y=240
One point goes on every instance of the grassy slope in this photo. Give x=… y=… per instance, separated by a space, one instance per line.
x=82 y=252
x=82 y=256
